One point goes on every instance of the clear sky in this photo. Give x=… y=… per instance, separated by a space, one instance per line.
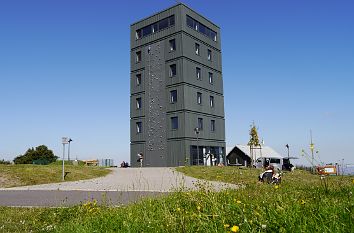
x=287 y=65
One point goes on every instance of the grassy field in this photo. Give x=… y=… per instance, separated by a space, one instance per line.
x=28 y=174
x=302 y=203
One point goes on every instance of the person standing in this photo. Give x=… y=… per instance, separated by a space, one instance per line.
x=140 y=159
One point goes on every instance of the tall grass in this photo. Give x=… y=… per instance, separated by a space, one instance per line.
x=300 y=204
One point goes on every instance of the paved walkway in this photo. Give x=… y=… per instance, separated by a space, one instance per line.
x=122 y=186
x=55 y=198
x=131 y=179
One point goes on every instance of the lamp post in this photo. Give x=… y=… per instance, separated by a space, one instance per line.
x=196 y=130
x=64 y=140
x=287 y=146
x=70 y=140
x=312 y=147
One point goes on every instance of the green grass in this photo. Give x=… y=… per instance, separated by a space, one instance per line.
x=28 y=174
x=302 y=203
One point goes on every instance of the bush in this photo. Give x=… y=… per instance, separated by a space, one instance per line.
x=40 y=153
x=5 y=162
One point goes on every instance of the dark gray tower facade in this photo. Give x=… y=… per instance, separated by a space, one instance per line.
x=176 y=101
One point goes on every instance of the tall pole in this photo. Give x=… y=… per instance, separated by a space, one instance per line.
x=196 y=130
x=287 y=146
x=64 y=140
x=63 y=161
x=312 y=147
x=198 y=147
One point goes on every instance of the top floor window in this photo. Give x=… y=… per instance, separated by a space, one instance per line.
x=155 y=27
x=199 y=27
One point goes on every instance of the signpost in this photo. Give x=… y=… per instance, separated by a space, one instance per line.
x=64 y=140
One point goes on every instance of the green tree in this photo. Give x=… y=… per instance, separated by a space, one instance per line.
x=254 y=140
x=41 y=152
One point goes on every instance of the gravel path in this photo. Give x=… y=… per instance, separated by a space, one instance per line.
x=131 y=179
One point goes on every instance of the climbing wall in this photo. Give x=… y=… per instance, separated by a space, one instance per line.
x=156 y=144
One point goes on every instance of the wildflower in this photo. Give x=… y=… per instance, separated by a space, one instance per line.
x=226 y=225
x=198 y=207
x=237 y=201
x=303 y=202
x=276 y=186
x=178 y=209
x=235 y=229
x=264 y=226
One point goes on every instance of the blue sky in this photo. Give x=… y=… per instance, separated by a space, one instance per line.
x=287 y=65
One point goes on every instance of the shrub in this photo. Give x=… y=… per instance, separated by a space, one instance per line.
x=40 y=153
x=5 y=162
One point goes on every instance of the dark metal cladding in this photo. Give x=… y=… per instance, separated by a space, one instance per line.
x=174 y=88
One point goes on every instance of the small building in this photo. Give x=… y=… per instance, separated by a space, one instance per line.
x=241 y=155
x=236 y=157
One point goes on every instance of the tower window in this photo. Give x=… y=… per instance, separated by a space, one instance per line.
x=174 y=122
x=200 y=123
x=211 y=78
x=199 y=98
x=212 y=125
x=138 y=56
x=197 y=48
x=209 y=54
x=138 y=79
x=139 y=127
x=138 y=103
x=155 y=27
x=211 y=101
x=138 y=34
x=173 y=70
x=198 y=73
x=172 y=45
x=173 y=95
x=201 y=28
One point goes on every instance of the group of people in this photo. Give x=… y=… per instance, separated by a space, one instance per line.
x=270 y=176
x=124 y=164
